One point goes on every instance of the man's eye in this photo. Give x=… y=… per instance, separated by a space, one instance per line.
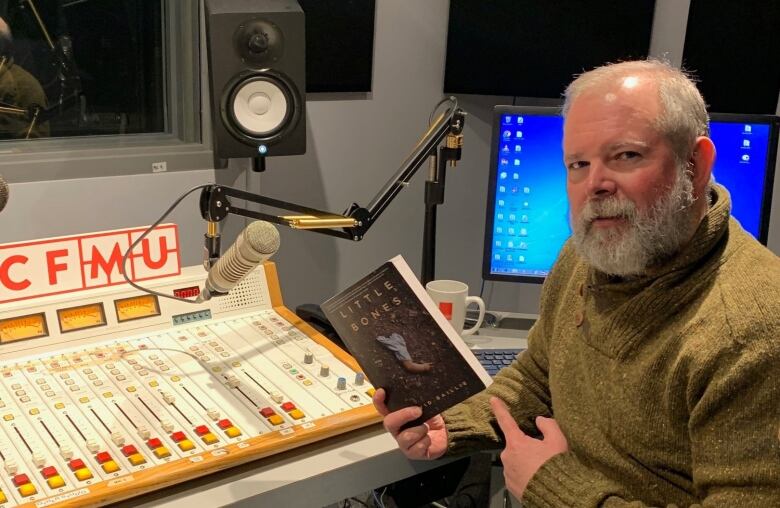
x=628 y=155
x=577 y=165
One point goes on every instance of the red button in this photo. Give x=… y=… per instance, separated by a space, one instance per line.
x=102 y=457
x=49 y=471
x=224 y=424
x=76 y=464
x=267 y=411
x=201 y=430
x=129 y=450
x=154 y=443
x=21 y=479
x=288 y=406
x=178 y=436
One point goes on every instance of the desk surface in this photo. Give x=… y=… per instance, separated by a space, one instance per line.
x=318 y=474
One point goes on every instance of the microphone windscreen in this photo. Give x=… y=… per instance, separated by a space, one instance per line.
x=261 y=238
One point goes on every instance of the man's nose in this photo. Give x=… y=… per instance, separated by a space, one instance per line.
x=600 y=180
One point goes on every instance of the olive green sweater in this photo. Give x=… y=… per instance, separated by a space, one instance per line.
x=666 y=387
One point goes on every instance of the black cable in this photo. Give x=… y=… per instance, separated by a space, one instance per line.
x=145 y=234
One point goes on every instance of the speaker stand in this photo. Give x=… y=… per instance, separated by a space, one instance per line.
x=258 y=164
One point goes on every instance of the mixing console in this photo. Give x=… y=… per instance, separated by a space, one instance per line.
x=113 y=393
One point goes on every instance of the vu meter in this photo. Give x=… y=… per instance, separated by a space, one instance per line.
x=136 y=307
x=81 y=317
x=23 y=327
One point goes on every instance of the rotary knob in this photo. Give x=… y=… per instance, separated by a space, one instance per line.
x=308 y=358
x=360 y=378
x=341 y=384
x=324 y=370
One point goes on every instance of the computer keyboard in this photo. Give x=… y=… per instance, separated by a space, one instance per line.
x=495 y=359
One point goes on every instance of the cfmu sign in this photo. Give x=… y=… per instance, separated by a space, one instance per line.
x=73 y=263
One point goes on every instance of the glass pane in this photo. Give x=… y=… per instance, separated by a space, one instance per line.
x=81 y=68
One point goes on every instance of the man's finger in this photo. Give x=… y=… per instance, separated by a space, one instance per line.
x=504 y=418
x=408 y=437
x=379 y=402
x=395 y=420
x=551 y=431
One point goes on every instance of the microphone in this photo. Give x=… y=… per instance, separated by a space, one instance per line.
x=3 y=193
x=256 y=243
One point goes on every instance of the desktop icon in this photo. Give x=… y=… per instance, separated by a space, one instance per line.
x=746 y=158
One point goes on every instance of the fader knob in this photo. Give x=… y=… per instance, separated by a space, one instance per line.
x=341 y=384
x=143 y=432
x=168 y=397
x=359 y=379
x=233 y=381
x=92 y=445
x=308 y=358
x=277 y=397
x=324 y=370
x=66 y=452
x=213 y=413
x=118 y=438
x=11 y=467
x=38 y=459
x=167 y=425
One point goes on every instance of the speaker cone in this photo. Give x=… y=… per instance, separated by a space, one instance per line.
x=260 y=107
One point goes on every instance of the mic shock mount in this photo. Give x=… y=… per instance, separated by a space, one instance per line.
x=215 y=200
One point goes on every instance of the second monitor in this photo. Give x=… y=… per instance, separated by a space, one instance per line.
x=527 y=218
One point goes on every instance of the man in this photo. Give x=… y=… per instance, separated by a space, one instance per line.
x=20 y=95
x=657 y=351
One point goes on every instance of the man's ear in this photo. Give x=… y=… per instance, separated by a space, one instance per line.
x=702 y=160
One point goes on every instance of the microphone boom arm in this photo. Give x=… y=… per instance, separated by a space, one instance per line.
x=215 y=203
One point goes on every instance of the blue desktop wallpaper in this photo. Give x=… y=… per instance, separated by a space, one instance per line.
x=530 y=212
x=530 y=217
x=740 y=166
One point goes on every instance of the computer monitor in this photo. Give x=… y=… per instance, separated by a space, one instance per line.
x=527 y=217
x=746 y=148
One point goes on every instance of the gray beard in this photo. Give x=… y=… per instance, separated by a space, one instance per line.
x=647 y=239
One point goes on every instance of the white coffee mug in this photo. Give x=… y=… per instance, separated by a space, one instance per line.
x=451 y=298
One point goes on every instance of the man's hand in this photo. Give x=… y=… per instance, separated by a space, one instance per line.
x=426 y=441
x=524 y=455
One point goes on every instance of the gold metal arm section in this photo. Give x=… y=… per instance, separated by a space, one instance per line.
x=313 y=222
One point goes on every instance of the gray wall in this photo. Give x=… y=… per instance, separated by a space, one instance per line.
x=356 y=142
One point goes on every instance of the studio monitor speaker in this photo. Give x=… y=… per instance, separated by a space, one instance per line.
x=256 y=52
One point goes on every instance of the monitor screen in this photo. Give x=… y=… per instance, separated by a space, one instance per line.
x=746 y=147
x=527 y=210
x=527 y=218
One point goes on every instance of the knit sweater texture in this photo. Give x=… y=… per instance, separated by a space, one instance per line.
x=667 y=387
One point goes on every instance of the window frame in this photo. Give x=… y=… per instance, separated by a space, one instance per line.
x=185 y=144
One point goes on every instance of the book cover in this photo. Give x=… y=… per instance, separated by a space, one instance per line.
x=403 y=343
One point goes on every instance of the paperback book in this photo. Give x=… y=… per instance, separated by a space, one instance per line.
x=403 y=343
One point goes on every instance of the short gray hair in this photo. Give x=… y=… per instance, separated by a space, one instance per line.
x=684 y=116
